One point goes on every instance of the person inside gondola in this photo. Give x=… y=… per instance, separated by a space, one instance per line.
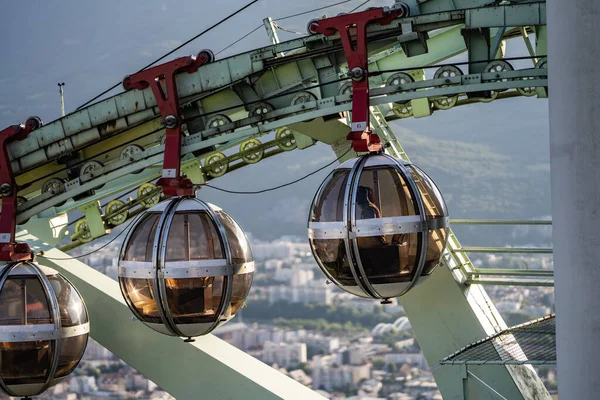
x=366 y=206
x=367 y=209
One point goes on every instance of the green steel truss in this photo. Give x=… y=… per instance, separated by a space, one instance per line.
x=298 y=90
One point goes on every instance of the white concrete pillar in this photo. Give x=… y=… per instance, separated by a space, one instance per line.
x=574 y=86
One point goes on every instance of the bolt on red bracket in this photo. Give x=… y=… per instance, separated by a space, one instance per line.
x=355 y=50
x=9 y=249
x=164 y=87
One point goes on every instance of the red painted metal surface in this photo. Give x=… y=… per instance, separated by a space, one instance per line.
x=353 y=34
x=161 y=80
x=9 y=249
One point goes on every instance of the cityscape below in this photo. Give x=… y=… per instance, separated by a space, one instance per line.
x=341 y=346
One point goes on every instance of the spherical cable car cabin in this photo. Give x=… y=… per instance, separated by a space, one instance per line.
x=377 y=226
x=185 y=268
x=44 y=328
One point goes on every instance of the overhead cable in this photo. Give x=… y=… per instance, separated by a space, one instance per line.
x=174 y=50
x=280 y=186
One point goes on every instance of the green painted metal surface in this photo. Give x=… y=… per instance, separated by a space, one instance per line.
x=459 y=312
x=208 y=368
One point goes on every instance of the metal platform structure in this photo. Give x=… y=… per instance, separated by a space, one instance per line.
x=300 y=90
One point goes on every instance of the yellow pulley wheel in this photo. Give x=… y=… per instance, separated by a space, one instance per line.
x=111 y=207
x=285 y=139
x=251 y=151
x=403 y=110
x=446 y=72
x=527 y=91
x=216 y=165
x=145 y=190
x=82 y=230
x=489 y=100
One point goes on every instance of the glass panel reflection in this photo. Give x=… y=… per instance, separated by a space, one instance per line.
x=24 y=363
x=389 y=259
x=194 y=300
x=382 y=193
x=435 y=206
x=71 y=351
x=435 y=247
x=193 y=237
x=140 y=294
x=12 y=305
x=23 y=301
x=205 y=243
x=72 y=310
x=240 y=248
x=331 y=253
x=329 y=203
x=142 y=240
x=178 y=245
x=240 y=290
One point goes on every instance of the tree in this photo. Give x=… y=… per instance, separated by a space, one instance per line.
x=378 y=363
x=392 y=368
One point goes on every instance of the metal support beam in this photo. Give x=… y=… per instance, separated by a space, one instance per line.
x=447 y=315
x=479 y=47
x=207 y=368
x=574 y=45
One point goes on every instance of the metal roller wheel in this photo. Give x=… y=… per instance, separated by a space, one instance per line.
x=309 y=27
x=216 y=166
x=303 y=97
x=285 y=139
x=20 y=201
x=251 y=151
x=34 y=122
x=405 y=10
x=398 y=79
x=89 y=167
x=208 y=54
x=260 y=110
x=497 y=66
x=542 y=63
x=527 y=91
x=126 y=82
x=217 y=121
x=345 y=89
x=113 y=206
x=55 y=186
x=129 y=151
x=446 y=72
x=83 y=231
x=146 y=189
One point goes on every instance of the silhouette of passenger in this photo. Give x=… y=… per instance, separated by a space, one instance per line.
x=366 y=206
x=366 y=209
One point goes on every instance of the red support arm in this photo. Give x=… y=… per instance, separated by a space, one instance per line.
x=164 y=87
x=353 y=34
x=9 y=249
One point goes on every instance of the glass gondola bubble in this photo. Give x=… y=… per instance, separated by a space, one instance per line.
x=44 y=328
x=185 y=268
x=377 y=226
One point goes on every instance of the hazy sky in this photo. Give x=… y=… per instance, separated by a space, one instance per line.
x=91 y=45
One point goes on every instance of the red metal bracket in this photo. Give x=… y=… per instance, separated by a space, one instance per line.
x=9 y=249
x=353 y=34
x=164 y=87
